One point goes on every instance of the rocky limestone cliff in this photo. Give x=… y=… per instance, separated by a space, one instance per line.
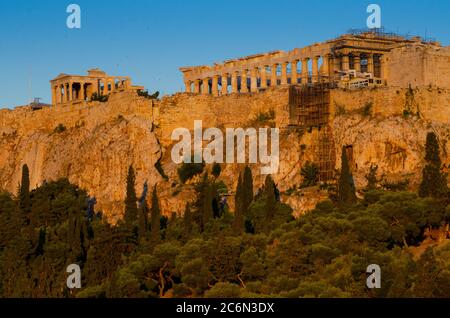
x=96 y=143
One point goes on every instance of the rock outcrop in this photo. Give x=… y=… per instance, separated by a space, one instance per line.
x=93 y=145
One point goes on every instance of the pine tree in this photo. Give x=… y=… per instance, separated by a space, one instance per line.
x=24 y=192
x=131 y=209
x=155 y=218
x=426 y=275
x=270 y=200
x=433 y=181
x=346 y=186
x=238 y=223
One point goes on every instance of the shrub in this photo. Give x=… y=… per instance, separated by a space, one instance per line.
x=60 y=129
x=99 y=98
x=216 y=170
x=367 y=109
x=310 y=174
x=396 y=186
x=188 y=170
x=265 y=117
x=340 y=109
x=221 y=188
x=144 y=93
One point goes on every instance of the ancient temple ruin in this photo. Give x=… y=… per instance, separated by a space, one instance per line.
x=76 y=88
x=351 y=60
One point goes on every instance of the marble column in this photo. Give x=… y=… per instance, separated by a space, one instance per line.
x=205 y=86
x=224 y=84
x=357 y=62
x=326 y=65
x=345 y=63
x=61 y=96
x=56 y=95
x=294 y=75
x=305 y=73
x=333 y=65
x=187 y=85
x=234 y=82
x=273 y=76
x=82 y=91
x=197 y=86
x=244 y=88
x=264 y=76
x=105 y=87
x=215 y=85
x=69 y=92
x=253 y=80
x=284 y=73
x=315 y=69
x=53 y=95
x=383 y=69
x=370 y=68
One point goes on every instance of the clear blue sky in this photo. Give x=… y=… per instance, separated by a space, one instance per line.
x=150 y=39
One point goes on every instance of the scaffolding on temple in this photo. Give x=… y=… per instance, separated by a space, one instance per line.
x=309 y=107
x=326 y=154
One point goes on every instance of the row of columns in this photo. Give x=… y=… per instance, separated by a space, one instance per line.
x=66 y=92
x=330 y=65
x=260 y=74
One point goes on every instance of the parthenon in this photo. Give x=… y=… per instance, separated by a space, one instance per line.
x=73 y=88
x=362 y=54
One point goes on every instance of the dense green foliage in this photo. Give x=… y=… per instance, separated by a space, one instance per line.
x=259 y=251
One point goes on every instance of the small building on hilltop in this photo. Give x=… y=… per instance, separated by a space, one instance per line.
x=77 y=88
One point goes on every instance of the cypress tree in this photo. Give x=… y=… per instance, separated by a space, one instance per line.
x=24 y=192
x=208 y=204
x=247 y=188
x=143 y=221
x=238 y=223
x=269 y=195
x=131 y=209
x=346 y=190
x=187 y=221
x=155 y=218
x=205 y=202
x=433 y=181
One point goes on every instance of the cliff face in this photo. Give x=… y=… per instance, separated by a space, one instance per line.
x=96 y=143
x=95 y=159
x=395 y=144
